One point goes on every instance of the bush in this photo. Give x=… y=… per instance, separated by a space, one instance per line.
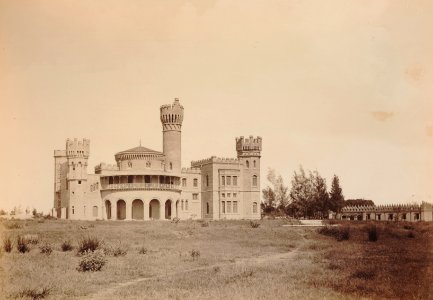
x=175 y=220
x=66 y=246
x=339 y=233
x=89 y=244
x=254 y=224
x=12 y=225
x=373 y=234
x=34 y=293
x=7 y=244
x=115 y=251
x=46 y=249
x=22 y=245
x=31 y=238
x=142 y=250
x=195 y=254
x=92 y=261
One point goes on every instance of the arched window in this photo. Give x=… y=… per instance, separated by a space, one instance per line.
x=181 y=205
x=207 y=207
x=186 y=204
x=254 y=180
x=148 y=164
x=254 y=164
x=207 y=180
x=247 y=164
x=254 y=207
x=171 y=166
x=183 y=181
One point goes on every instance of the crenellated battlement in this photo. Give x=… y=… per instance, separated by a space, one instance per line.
x=249 y=146
x=214 y=159
x=106 y=167
x=191 y=170
x=78 y=148
x=172 y=114
x=382 y=208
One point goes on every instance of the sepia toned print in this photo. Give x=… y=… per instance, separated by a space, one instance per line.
x=216 y=149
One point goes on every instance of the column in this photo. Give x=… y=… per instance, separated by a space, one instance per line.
x=114 y=210
x=128 y=210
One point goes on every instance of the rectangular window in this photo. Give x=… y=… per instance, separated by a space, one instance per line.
x=416 y=216
x=229 y=206
x=223 y=180
x=235 y=207
x=234 y=195
x=228 y=195
x=73 y=210
x=194 y=196
x=223 y=195
x=223 y=207
x=183 y=181
x=229 y=180
x=79 y=181
x=195 y=182
x=235 y=180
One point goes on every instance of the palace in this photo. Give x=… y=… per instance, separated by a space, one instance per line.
x=145 y=184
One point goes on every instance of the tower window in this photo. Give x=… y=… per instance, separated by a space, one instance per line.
x=207 y=207
x=79 y=181
x=254 y=164
x=194 y=196
x=73 y=210
x=183 y=181
x=235 y=180
x=254 y=207
x=171 y=166
x=247 y=164
x=195 y=182
x=207 y=180
x=186 y=204
x=254 y=180
x=223 y=180
x=229 y=180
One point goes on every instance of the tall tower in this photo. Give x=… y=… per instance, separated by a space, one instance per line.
x=171 y=119
x=77 y=153
x=249 y=152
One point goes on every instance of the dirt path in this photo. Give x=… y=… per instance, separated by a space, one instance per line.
x=251 y=261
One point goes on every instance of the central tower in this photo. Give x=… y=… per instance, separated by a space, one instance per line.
x=171 y=119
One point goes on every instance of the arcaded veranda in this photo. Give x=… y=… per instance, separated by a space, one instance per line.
x=139 y=209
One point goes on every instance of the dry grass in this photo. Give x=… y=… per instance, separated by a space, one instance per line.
x=235 y=261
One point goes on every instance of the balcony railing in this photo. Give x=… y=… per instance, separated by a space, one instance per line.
x=141 y=186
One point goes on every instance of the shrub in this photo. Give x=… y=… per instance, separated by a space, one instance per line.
x=89 y=244
x=22 y=245
x=142 y=250
x=339 y=233
x=254 y=224
x=66 y=246
x=7 y=244
x=46 y=249
x=115 y=251
x=13 y=225
x=373 y=234
x=175 y=220
x=195 y=254
x=34 y=293
x=31 y=238
x=364 y=274
x=92 y=261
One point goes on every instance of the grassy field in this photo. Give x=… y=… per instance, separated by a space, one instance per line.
x=215 y=260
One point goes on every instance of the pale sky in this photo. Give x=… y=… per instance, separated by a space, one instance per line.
x=341 y=87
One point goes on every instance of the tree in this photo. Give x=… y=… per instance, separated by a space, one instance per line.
x=322 y=203
x=301 y=194
x=276 y=196
x=353 y=202
x=336 y=195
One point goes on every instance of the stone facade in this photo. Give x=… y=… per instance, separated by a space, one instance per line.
x=397 y=212
x=145 y=184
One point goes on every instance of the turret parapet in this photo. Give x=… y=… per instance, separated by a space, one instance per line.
x=249 y=147
x=214 y=159
x=172 y=115
x=191 y=170
x=106 y=167
x=78 y=148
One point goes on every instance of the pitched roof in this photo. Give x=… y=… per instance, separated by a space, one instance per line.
x=139 y=149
